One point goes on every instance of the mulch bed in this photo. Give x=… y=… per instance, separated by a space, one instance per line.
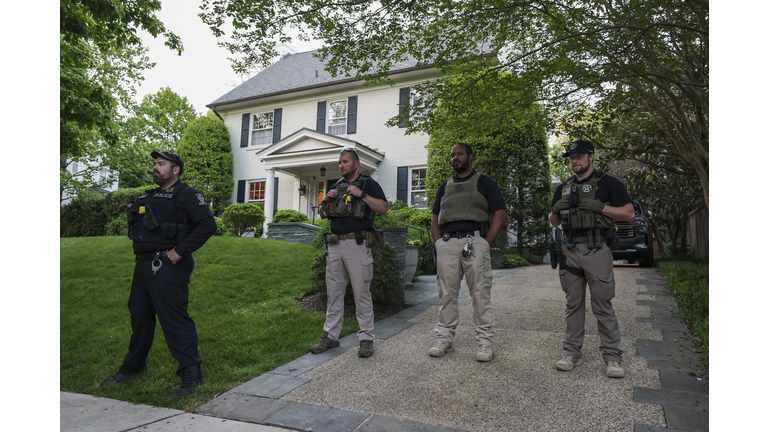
x=317 y=302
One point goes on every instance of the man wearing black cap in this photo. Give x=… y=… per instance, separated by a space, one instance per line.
x=166 y=226
x=587 y=205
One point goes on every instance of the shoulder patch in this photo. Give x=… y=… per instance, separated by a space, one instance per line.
x=200 y=198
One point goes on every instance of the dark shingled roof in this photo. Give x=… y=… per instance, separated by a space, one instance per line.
x=293 y=73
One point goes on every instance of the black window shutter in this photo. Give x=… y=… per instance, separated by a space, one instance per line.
x=241 y=191
x=274 y=205
x=405 y=94
x=321 y=117
x=244 y=130
x=352 y=115
x=402 y=184
x=277 y=121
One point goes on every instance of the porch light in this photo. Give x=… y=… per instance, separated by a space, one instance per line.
x=302 y=189
x=322 y=171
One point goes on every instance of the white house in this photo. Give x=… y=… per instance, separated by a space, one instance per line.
x=289 y=123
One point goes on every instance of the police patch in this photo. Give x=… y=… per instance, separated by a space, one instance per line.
x=587 y=188
x=459 y=188
x=201 y=199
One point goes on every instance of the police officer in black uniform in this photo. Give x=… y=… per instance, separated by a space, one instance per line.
x=166 y=226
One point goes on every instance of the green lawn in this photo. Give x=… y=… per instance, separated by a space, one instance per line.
x=242 y=295
x=689 y=282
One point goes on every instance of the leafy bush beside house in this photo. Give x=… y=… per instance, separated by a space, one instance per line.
x=242 y=217
x=283 y=216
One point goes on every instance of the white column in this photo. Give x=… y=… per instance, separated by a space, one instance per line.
x=269 y=198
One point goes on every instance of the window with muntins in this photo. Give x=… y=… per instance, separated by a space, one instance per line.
x=337 y=117
x=262 y=128
x=419 y=187
x=256 y=191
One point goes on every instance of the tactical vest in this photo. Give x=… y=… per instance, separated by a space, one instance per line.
x=344 y=205
x=463 y=202
x=155 y=221
x=588 y=227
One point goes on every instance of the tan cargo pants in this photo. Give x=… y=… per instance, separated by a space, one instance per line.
x=451 y=267
x=349 y=261
x=598 y=273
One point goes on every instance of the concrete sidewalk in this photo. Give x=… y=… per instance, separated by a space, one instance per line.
x=402 y=388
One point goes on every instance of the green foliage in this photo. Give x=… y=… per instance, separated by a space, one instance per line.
x=207 y=155
x=246 y=325
x=82 y=217
x=221 y=228
x=243 y=217
x=568 y=54
x=383 y=285
x=90 y=32
x=161 y=119
x=289 y=216
x=513 y=260
x=117 y=226
x=689 y=282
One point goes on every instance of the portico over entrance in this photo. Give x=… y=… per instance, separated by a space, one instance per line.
x=312 y=159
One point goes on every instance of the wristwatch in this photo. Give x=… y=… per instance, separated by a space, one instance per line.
x=363 y=195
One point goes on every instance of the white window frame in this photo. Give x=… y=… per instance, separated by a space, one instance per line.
x=338 y=126
x=411 y=191
x=267 y=130
x=248 y=192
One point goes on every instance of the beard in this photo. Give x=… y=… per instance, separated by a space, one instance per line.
x=582 y=170
x=160 y=179
x=461 y=167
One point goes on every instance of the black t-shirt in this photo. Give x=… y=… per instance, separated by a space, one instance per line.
x=349 y=224
x=487 y=187
x=609 y=190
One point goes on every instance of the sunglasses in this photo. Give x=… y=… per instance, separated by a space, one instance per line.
x=348 y=149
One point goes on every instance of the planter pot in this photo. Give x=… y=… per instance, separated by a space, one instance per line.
x=411 y=262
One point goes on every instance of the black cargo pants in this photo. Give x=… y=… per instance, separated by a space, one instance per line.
x=164 y=294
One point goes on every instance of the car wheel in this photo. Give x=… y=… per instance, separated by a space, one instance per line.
x=648 y=260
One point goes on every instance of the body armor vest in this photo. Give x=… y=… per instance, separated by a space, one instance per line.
x=155 y=222
x=594 y=229
x=344 y=205
x=463 y=202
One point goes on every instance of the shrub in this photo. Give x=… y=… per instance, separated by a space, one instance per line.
x=117 y=226
x=289 y=216
x=383 y=285
x=513 y=260
x=242 y=218
x=221 y=229
x=82 y=217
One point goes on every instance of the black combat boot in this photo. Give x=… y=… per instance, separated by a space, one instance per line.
x=120 y=375
x=191 y=377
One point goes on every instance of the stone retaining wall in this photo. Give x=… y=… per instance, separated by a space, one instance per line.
x=299 y=232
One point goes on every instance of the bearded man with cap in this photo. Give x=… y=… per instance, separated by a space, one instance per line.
x=591 y=201
x=166 y=226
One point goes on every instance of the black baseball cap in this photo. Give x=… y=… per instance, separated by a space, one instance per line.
x=171 y=156
x=580 y=147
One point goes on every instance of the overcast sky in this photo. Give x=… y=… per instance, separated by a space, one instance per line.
x=202 y=73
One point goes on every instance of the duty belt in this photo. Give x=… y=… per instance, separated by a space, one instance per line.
x=457 y=234
x=351 y=236
x=150 y=255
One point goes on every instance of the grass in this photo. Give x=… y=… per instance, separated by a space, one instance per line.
x=242 y=295
x=689 y=282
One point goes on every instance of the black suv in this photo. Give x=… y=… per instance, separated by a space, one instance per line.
x=634 y=242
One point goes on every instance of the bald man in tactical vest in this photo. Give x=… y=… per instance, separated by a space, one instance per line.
x=464 y=231
x=587 y=205
x=350 y=205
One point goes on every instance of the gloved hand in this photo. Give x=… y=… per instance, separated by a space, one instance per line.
x=563 y=204
x=591 y=205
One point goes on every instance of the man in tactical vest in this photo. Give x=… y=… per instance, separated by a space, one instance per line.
x=587 y=205
x=350 y=205
x=462 y=227
x=166 y=226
